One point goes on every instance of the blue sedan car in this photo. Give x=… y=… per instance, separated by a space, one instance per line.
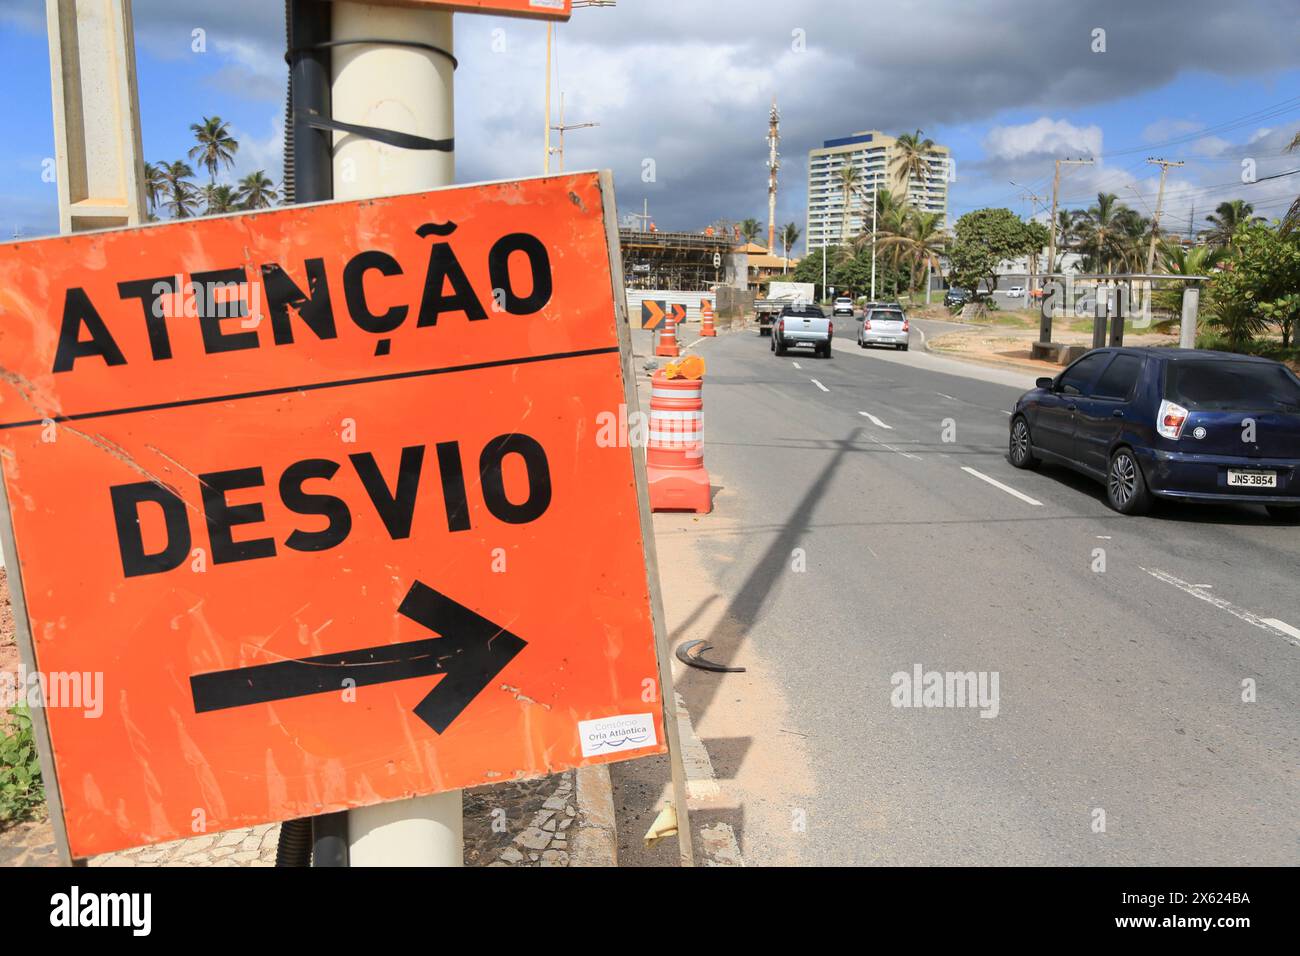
x=1181 y=424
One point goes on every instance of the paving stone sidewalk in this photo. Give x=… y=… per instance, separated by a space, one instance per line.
x=521 y=823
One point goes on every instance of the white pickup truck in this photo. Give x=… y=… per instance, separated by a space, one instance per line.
x=803 y=325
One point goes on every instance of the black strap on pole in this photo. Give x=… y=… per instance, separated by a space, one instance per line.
x=320 y=119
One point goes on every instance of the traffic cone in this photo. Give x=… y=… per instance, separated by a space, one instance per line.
x=675 y=451
x=706 y=319
x=668 y=337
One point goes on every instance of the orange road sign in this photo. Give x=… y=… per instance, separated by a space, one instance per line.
x=653 y=313
x=538 y=9
x=329 y=500
x=679 y=313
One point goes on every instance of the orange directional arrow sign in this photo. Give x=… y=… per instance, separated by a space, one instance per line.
x=652 y=313
x=679 y=313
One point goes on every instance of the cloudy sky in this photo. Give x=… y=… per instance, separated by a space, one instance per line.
x=1008 y=84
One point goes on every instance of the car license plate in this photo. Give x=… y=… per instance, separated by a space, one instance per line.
x=1252 y=479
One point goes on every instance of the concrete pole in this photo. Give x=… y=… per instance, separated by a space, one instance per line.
x=410 y=90
x=1191 y=304
x=97 y=154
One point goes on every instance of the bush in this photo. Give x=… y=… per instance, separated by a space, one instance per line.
x=22 y=792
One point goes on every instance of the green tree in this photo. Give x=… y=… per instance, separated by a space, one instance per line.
x=256 y=191
x=155 y=185
x=215 y=148
x=911 y=158
x=1177 y=261
x=1106 y=233
x=1259 y=286
x=218 y=199
x=983 y=239
x=849 y=180
x=918 y=241
x=183 y=198
x=1226 y=218
x=790 y=233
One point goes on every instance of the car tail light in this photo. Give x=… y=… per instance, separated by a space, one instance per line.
x=906 y=327
x=1170 y=419
x=830 y=328
x=866 y=323
x=781 y=327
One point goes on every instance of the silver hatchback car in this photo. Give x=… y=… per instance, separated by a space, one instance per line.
x=884 y=327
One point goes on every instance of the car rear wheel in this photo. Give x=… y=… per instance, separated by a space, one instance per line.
x=1019 y=451
x=1126 y=489
x=1284 y=513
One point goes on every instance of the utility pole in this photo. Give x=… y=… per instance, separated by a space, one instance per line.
x=559 y=150
x=550 y=39
x=645 y=215
x=773 y=164
x=875 y=204
x=1164 y=165
x=1045 y=321
x=1033 y=199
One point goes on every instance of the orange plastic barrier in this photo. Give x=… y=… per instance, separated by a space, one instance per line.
x=706 y=319
x=675 y=452
x=667 y=344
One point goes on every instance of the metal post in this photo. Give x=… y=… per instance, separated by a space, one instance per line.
x=1117 y=318
x=409 y=89
x=309 y=95
x=1101 y=308
x=1191 y=304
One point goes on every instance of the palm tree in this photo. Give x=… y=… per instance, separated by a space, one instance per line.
x=911 y=159
x=155 y=184
x=1067 y=236
x=1178 y=261
x=256 y=191
x=789 y=236
x=183 y=201
x=917 y=242
x=750 y=229
x=849 y=179
x=219 y=199
x=1102 y=232
x=216 y=147
x=1226 y=218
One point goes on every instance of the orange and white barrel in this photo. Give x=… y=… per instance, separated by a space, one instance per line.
x=675 y=450
x=707 y=327
x=668 y=337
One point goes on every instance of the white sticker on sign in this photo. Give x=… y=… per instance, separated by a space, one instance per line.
x=608 y=735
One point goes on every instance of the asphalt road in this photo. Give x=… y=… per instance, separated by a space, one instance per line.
x=1122 y=646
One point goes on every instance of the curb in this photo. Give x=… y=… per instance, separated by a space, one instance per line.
x=596 y=841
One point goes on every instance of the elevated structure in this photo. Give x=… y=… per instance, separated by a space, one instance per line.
x=687 y=261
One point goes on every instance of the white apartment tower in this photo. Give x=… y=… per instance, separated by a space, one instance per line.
x=873 y=153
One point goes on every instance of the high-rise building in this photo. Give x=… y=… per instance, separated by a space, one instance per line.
x=874 y=154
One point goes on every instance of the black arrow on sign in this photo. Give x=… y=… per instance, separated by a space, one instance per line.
x=470 y=652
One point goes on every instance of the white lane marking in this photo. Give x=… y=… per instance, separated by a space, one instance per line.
x=947 y=396
x=997 y=484
x=1267 y=624
x=896 y=451
x=796 y=365
x=1005 y=412
x=921 y=332
x=875 y=420
x=1284 y=627
x=819 y=385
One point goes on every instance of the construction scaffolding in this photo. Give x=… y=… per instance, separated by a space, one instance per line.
x=686 y=261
